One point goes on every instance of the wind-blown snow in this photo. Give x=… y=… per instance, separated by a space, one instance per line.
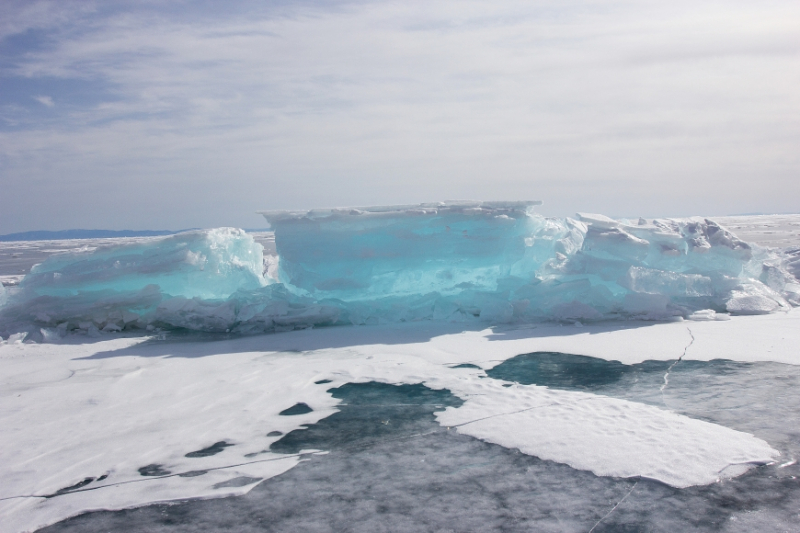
x=491 y=262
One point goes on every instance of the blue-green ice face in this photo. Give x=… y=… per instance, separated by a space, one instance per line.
x=504 y=262
x=211 y=264
x=403 y=253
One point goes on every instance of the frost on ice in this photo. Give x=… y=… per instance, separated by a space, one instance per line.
x=496 y=262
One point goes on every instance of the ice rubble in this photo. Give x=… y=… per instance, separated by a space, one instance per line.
x=496 y=262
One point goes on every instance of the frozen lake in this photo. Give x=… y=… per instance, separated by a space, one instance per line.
x=689 y=425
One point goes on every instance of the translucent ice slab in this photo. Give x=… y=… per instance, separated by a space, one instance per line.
x=207 y=264
x=501 y=262
x=355 y=254
x=112 y=287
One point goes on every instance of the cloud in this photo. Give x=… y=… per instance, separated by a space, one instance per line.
x=46 y=101
x=613 y=106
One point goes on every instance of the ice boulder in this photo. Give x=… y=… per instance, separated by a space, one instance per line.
x=501 y=262
x=111 y=287
x=359 y=253
x=694 y=263
x=204 y=263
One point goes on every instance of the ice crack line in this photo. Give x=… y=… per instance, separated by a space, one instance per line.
x=615 y=507
x=515 y=412
x=499 y=414
x=288 y=456
x=666 y=376
x=153 y=478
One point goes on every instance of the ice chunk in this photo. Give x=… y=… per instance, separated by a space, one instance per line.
x=753 y=299
x=110 y=287
x=538 y=268
x=16 y=338
x=643 y=280
x=353 y=254
x=792 y=258
x=705 y=315
x=207 y=264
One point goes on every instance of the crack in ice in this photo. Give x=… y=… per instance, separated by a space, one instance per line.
x=666 y=376
x=495 y=416
x=615 y=507
x=288 y=456
x=153 y=478
x=513 y=412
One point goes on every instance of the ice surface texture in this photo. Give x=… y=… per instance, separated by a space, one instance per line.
x=494 y=262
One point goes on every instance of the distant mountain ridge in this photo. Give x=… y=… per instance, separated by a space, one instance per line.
x=82 y=234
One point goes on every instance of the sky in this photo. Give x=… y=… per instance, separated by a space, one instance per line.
x=168 y=115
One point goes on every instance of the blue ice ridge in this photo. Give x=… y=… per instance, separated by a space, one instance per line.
x=492 y=262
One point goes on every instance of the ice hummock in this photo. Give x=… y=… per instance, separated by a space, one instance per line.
x=365 y=253
x=502 y=262
x=205 y=264
x=495 y=262
x=113 y=287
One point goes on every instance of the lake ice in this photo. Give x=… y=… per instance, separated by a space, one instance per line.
x=635 y=409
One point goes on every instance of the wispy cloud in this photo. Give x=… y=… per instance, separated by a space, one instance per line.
x=45 y=100
x=613 y=106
